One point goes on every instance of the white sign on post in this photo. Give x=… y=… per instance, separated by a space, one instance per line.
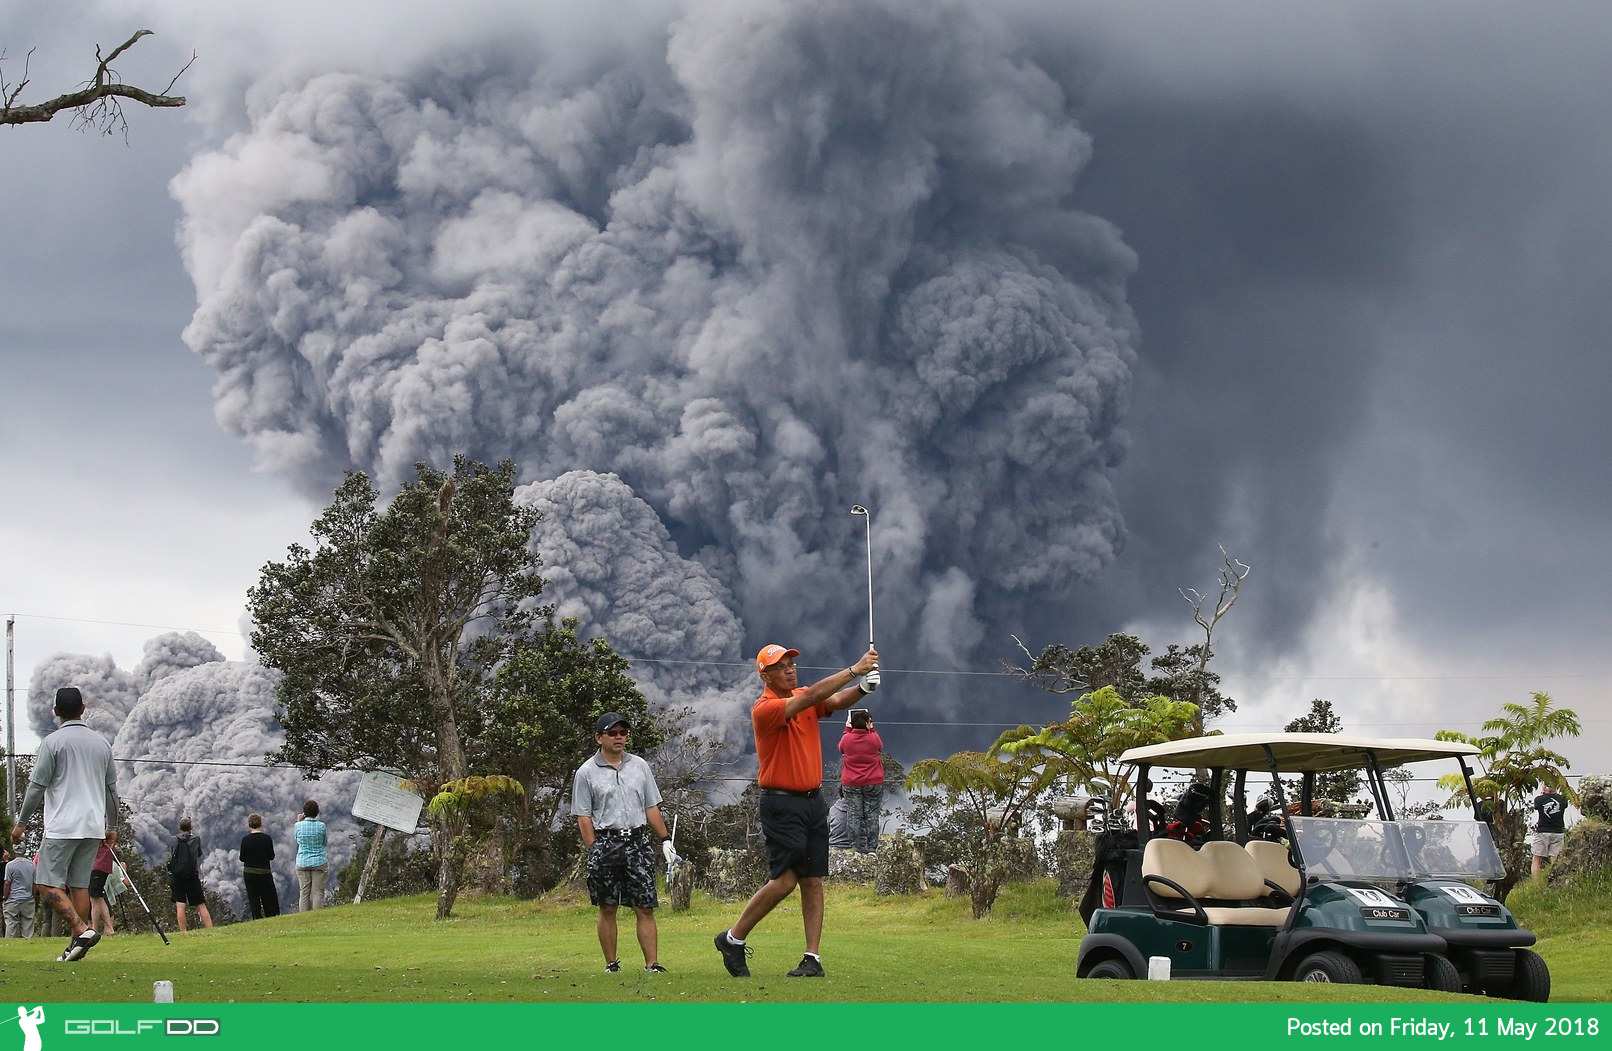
x=386 y=800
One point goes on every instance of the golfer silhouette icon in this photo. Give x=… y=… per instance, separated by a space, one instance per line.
x=30 y=1021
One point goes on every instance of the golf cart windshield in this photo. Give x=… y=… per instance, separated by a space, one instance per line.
x=1339 y=848
x=1454 y=849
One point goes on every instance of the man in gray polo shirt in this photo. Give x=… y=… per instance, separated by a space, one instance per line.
x=75 y=783
x=617 y=804
x=18 y=894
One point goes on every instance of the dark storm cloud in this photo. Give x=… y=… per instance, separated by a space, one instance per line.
x=1370 y=353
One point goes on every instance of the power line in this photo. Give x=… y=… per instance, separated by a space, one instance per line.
x=954 y=672
x=131 y=624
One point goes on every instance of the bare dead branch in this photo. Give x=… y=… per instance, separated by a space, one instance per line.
x=1044 y=672
x=98 y=103
x=11 y=95
x=1232 y=574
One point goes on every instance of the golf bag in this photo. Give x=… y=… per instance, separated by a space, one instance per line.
x=1105 y=889
x=1187 y=823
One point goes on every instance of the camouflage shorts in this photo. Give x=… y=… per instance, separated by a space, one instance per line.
x=622 y=872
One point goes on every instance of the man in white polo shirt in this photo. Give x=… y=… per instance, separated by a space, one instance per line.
x=617 y=804
x=75 y=783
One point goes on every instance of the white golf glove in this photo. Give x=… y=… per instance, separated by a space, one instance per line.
x=870 y=681
x=669 y=853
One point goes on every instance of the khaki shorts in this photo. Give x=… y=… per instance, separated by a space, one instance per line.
x=66 y=862
x=1548 y=844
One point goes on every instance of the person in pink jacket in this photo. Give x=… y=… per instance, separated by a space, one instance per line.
x=862 y=779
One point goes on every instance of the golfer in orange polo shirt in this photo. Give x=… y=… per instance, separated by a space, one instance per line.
x=794 y=815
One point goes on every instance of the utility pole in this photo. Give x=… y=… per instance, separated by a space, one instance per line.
x=11 y=714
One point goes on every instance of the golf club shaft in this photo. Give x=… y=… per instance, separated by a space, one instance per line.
x=141 y=898
x=868 y=518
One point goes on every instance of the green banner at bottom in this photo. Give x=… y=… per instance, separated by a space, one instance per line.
x=1206 y=1026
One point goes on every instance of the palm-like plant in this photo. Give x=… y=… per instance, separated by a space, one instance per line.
x=994 y=790
x=1517 y=758
x=1101 y=726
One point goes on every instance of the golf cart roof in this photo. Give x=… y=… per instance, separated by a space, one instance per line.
x=1295 y=752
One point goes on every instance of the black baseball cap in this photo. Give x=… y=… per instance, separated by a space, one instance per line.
x=609 y=719
x=69 y=702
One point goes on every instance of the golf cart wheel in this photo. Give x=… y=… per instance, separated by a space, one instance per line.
x=1111 y=968
x=1532 y=981
x=1440 y=975
x=1328 y=967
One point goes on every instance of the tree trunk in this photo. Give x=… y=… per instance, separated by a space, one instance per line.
x=371 y=863
x=451 y=766
x=1511 y=837
x=445 y=839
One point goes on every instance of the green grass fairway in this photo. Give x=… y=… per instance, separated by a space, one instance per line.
x=880 y=949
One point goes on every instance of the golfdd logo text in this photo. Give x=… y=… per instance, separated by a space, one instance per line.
x=141 y=1026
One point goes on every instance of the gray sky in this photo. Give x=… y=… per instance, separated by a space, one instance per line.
x=1069 y=295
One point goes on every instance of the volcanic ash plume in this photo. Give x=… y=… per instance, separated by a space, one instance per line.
x=611 y=564
x=194 y=747
x=109 y=691
x=801 y=256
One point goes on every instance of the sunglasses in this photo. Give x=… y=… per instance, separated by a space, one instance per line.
x=614 y=733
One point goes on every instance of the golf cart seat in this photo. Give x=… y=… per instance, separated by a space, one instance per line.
x=1220 y=882
x=1274 y=864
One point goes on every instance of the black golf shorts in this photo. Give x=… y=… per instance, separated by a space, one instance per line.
x=796 y=831
x=98 y=883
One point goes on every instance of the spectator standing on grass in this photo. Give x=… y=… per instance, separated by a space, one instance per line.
x=312 y=866
x=839 y=838
x=257 y=872
x=617 y=805
x=184 y=875
x=862 y=778
x=100 y=910
x=74 y=781
x=794 y=819
x=1551 y=827
x=18 y=894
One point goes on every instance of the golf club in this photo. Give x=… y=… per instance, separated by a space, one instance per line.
x=858 y=509
x=141 y=898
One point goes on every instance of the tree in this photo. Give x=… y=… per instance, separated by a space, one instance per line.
x=388 y=632
x=1115 y=663
x=1086 y=747
x=1180 y=673
x=1339 y=786
x=1517 y=757
x=1197 y=684
x=465 y=811
x=98 y=104
x=994 y=791
x=539 y=726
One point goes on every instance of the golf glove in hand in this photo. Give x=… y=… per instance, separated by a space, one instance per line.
x=669 y=853
x=870 y=681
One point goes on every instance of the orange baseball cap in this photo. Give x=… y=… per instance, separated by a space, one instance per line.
x=771 y=654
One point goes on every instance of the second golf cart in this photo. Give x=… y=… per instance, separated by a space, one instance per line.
x=1282 y=894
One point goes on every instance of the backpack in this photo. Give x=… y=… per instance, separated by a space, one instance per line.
x=182 y=862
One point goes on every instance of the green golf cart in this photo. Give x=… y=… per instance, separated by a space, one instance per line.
x=1284 y=894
